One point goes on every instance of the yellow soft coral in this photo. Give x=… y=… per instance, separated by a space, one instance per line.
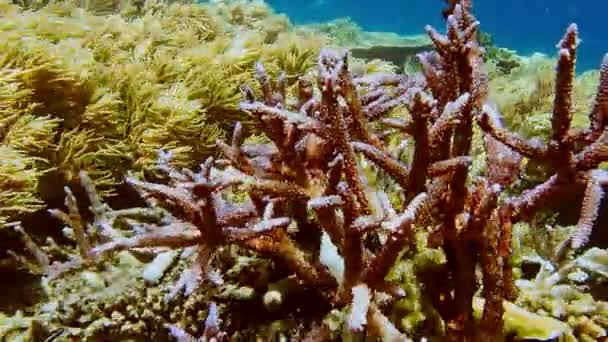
x=105 y=92
x=525 y=96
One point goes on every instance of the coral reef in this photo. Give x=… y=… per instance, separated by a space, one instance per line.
x=502 y=59
x=374 y=205
x=82 y=91
x=18 y=173
x=557 y=291
x=524 y=96
x=573 y=156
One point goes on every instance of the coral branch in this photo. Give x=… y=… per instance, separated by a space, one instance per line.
x=590 y=208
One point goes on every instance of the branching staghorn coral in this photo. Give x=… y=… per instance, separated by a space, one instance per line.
x=573 y=156
x=524 y=96
x=305 y=202
x=101 y=229
x=115 y=89
x=325 y=134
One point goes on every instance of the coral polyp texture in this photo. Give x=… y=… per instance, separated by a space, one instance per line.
x=384 y=206
x=573 y=156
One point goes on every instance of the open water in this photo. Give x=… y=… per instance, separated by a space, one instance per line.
x=526 y=26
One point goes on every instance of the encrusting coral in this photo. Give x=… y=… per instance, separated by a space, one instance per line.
x=304 y=199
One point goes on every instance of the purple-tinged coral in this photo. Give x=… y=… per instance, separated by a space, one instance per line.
x=306 y=204
x=572 y=156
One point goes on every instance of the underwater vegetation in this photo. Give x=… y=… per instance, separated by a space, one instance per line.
x=349 y=201
x=103 y=93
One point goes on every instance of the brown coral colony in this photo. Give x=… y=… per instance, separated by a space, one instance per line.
x=308 y=182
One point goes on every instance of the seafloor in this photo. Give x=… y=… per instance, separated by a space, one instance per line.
x=206 y=172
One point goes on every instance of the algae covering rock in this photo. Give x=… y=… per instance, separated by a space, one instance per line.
x=387 y=46
x=564 y=291
x=108 y=302
x=525 y=325
x=594 y=260
x=20 y=328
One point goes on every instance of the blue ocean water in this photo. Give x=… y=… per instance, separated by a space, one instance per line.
x=526 y=26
